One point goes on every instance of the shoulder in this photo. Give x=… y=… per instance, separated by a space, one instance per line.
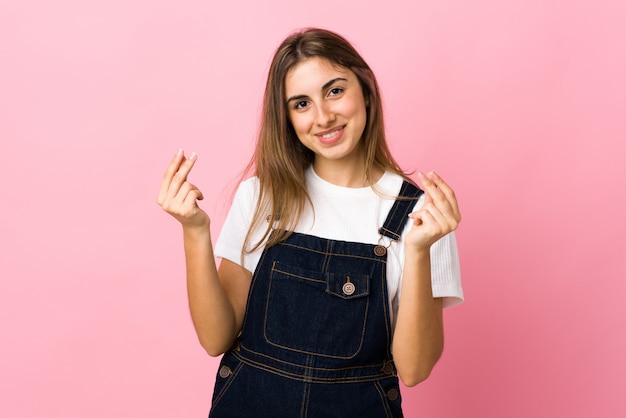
x=248 y=190
x=251 y=183
x=244 y=201
x=389 y=185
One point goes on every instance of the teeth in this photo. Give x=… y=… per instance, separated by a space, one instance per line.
x=330 y=134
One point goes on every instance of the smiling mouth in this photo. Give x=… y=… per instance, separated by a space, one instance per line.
x=330 y=134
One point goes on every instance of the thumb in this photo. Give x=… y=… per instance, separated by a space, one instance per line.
x=416 y=217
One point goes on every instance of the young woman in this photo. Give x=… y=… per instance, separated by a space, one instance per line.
x=334 y=266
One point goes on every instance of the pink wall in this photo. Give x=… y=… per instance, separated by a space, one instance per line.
x=519 y=104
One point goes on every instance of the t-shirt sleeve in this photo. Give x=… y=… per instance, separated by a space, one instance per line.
x=445 y=273
x=233 y=234
x=446 y=270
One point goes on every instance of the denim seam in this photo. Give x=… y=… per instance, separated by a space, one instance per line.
x=383 y=398
x=242 y=357
x=296 y=275
x=328 y=256
x=304 y=409
x=361 y=279
x=310 y=379
x=383 y=285
x=394 y=236
x=392 y=213
x=393 y=221
x=365 y=279
x=228 y=384
x=334 y=254
x=252 y=283
x=327 y=355
x=353 y=355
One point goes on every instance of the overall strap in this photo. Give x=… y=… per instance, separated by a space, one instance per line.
x=397 y=217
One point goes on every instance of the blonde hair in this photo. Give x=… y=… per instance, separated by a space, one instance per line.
x=280 y=160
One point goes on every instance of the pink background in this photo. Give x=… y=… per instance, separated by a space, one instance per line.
x=519 y=104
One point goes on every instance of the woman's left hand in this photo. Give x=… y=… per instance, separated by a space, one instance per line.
x=438 y=216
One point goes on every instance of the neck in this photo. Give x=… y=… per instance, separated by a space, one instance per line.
x=347 y=175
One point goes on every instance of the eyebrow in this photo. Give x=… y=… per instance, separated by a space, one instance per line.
x=324 y=87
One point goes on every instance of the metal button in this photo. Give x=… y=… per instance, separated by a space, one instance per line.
x=225 y=372
x=393 y=394
x=388 y=368
x=380 y=250
x=348 y=288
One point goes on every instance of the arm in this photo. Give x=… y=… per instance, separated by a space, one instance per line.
x=418 y=336
x=217 y=298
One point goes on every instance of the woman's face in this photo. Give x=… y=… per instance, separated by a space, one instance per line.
x=326 y=107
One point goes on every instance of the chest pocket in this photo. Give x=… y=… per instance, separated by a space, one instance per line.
x=316 y=313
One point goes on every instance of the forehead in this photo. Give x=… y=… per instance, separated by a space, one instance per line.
x=311 y=74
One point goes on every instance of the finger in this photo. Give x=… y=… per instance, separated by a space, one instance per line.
x=181 y=175
x=443 y=197
x=433 y=223
x=445 y=223
x=433 y=193
x=427 y=197
x=439 y=208
x=187 y=188
x=192 y=197
x=199 y=193
x=426 y=221
x=184 y=203
x=415 y=216
x=447 y=191
x=172 y=168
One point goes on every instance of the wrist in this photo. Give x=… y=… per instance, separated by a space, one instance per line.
x=417 y=252
x=201 y=231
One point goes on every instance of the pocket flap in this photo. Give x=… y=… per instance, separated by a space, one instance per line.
x=348 y=286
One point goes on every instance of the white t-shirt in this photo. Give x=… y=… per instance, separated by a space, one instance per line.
x=347 y=214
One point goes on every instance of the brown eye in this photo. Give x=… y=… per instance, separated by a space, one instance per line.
x=335 y=91
x=300 y=105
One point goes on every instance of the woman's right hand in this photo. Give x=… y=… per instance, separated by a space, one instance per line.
x=178 y=197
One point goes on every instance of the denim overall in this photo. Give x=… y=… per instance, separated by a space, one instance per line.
x=316 y=337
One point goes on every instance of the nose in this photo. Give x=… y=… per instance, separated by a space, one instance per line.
x=324 y=115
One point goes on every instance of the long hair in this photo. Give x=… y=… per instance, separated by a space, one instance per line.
x=280 y=160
